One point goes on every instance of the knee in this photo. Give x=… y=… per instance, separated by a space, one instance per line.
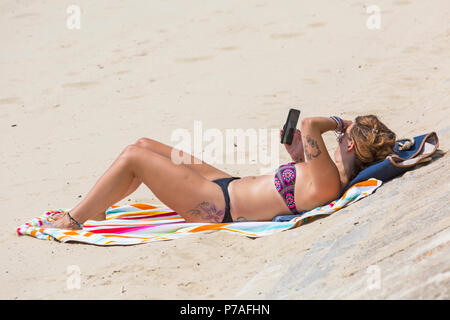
x=130 y=152
x=144 y=143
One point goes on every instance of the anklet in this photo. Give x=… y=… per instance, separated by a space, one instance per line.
x=75 y=221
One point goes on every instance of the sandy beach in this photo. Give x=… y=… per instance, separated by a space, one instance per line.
x=72 y=99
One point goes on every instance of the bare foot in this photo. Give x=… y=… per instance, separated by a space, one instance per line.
x=62 y=221
x=57 y=216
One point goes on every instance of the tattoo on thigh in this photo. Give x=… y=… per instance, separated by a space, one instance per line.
x=241 y=219
x=207 y=211
x=312 y=149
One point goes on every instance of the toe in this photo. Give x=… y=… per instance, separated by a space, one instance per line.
x=57 y=216
x=47 y=225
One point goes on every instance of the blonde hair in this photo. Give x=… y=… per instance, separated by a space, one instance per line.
x=373 y=140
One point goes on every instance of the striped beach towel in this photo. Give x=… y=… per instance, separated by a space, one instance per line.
x=142 y=223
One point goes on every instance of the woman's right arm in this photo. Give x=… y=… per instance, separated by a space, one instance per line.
x=322 y=168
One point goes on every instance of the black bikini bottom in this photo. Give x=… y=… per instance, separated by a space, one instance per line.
x=223 y=184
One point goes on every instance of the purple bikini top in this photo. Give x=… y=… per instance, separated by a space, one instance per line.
x=285 y=184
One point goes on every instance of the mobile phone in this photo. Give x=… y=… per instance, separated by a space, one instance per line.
x=290 y=126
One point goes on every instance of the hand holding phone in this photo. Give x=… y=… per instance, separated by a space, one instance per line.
x=295 y=149
x=290 y=126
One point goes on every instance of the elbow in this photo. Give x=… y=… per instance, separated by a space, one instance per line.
x=306 y=123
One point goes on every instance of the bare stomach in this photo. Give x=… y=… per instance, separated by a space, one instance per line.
x=255 y=199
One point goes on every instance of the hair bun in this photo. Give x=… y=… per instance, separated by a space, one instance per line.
x=373 y=141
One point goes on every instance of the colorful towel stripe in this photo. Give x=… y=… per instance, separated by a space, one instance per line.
x=142 y=223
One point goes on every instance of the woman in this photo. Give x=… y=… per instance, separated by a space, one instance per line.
x=201 y=193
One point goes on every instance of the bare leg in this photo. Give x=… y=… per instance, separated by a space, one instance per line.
x=207 y=171
x=114 y=183
x=179 y=187
x=135 y=183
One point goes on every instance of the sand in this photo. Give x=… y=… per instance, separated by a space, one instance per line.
x=72 y=99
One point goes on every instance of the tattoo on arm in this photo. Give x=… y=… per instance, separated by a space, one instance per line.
x=207 y=211
x=241 y=219
x=312 y=149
